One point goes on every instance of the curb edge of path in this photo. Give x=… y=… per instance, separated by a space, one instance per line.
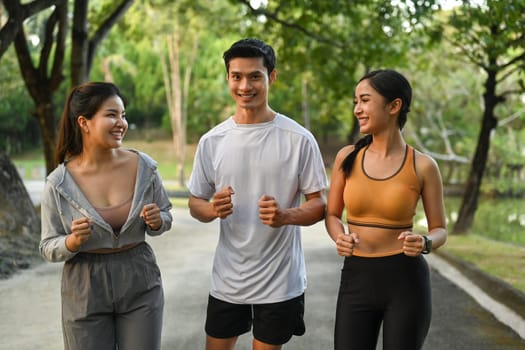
x=498 y=297
x=493 y=286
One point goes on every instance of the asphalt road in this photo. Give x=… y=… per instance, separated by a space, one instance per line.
x=30 y=301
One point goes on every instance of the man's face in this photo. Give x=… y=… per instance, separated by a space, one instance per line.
x=249 y=82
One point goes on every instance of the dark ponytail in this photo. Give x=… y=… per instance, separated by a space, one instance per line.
x=348 y=162
x=69 y=139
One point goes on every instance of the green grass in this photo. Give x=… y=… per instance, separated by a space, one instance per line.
x=163 y=152
x=498 y=219
x=500 y=259
x=496 y=244
x=31 y=169
x=179 y=202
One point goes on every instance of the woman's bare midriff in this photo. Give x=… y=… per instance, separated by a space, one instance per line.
x=375 y=242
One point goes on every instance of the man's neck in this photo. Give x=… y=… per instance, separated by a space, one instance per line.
x=253 y=116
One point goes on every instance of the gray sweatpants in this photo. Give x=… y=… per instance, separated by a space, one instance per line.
x=112 y=301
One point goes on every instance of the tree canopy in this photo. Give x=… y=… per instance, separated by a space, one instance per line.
x=466 y=66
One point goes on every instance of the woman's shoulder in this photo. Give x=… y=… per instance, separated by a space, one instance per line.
x=134 y=153
x=342 y=154
x=424 y=162
x=57 y=175
x=344 y=151
x=140 y=156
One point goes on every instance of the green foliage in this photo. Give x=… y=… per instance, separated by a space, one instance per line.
x=499 y=259
x=18 y=129
x=489 y=30
x=491 y=35
x=141 y=39
x=330 y=44
x=505 y=224
x=506 y=164
x=322 y=48
x=446 y=106
x=498 y=219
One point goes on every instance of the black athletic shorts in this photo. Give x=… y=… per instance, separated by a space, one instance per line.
x=273 y=323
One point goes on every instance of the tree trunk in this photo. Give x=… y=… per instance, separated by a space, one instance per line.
x=19 y=222
x=17 y=14
x=79 y=43
x=83 y=47
x=470 y=199
x=45 y=114
x=177 y=89
x=42 y=83
x=304 y=102
x=184 y=109
x=176 y=98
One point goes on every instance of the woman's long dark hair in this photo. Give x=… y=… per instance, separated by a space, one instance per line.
x=391 y=85
x=84 y=100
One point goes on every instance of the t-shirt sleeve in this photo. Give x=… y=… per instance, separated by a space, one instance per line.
x=313 y=174
x=201 y=182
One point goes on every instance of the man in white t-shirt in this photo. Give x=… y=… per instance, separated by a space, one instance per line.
x=251 y=171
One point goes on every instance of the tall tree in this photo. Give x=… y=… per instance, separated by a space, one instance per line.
x=44 y=78
x=491 y=35
x=19 y=223
x=84 y=43
x=188 y=38
x=177 y=85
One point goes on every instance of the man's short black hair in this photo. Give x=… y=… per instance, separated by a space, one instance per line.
x=250 y=48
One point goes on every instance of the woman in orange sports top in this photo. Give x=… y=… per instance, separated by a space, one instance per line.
x=379 y=180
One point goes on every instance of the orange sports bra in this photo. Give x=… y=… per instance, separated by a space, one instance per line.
x=384 y=203
x=116 y=215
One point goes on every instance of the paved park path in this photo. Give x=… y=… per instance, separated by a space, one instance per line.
x=30 y=301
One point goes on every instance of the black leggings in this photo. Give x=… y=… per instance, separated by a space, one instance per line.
x=393 y=290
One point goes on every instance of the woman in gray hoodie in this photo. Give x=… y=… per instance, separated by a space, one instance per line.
x=97 y=207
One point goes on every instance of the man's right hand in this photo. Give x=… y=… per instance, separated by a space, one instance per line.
x=222 y=202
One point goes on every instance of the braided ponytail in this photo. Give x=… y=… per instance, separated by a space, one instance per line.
x=348 y=162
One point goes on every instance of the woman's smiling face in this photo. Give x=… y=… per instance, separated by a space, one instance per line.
x=370 y=109
x=109 y=125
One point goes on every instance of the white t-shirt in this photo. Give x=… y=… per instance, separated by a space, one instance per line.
x=255 y=263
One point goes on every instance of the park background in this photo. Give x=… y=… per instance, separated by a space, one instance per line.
x=465 y=60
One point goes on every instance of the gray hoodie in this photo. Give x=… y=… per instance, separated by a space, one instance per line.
x=63 y=202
